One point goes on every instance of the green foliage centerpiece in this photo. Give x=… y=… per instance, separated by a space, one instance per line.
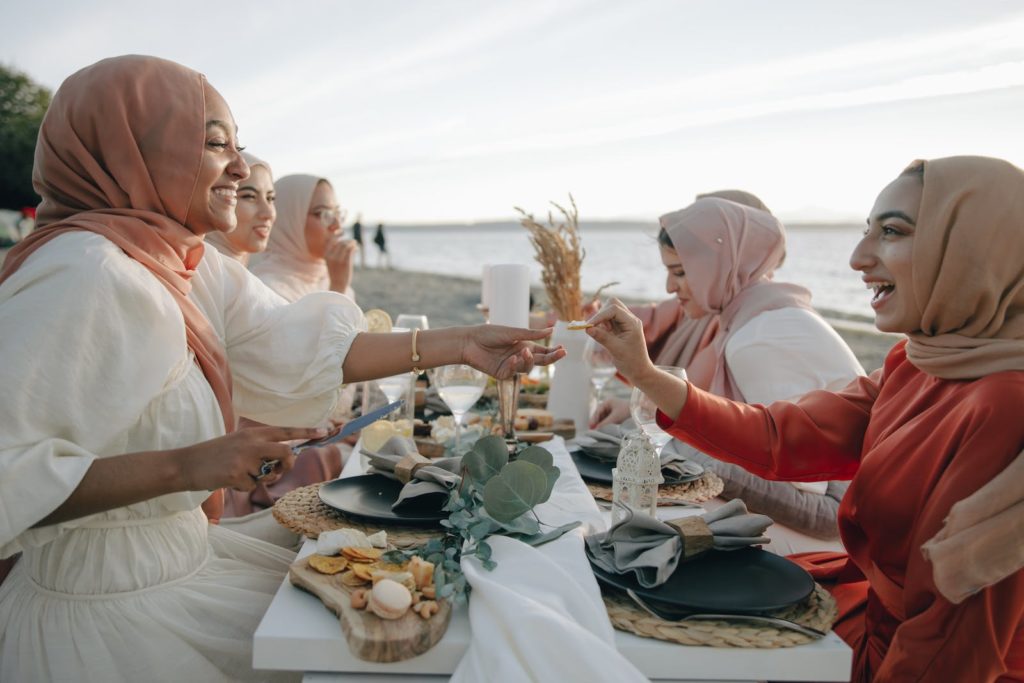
x=496 y=496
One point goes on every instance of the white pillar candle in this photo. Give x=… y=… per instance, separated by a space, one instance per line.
x=485 y=287
x=510 y=295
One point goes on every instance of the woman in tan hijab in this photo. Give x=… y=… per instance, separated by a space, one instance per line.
x=255 y=212
x=127 y=346
x=937 y=425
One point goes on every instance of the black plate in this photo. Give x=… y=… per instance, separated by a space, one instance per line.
x=371 y=496
x=747 y=581
x=593 y=470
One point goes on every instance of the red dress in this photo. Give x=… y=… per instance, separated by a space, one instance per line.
x=914 y=445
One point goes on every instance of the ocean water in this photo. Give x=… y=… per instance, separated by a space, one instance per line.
x=817 y=258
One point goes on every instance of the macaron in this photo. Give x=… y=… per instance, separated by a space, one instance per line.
x=389 y=599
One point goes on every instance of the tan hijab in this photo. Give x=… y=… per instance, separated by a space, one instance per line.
x=118 y=155
x=287 y=264
x=968 y=265
x=729 y=252
x=219 y=239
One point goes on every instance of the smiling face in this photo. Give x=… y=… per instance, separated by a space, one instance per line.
x=255 y=212
x=322 y=220
x=884 y=255
x=212 y=207
x=676 y=283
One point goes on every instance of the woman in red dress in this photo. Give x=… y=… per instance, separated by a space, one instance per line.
x=943 y=255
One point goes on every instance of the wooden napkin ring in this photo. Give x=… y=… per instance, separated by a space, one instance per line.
x=695 y=534
x=406 y=468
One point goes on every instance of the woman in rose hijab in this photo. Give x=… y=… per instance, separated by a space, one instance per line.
x=763 y=343
x=255 y=212
x=127 y=348
x=306 y=252
x=931 y=440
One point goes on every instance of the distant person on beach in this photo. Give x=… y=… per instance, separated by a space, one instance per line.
x=762 y=342
x=307 y=252
x=383 y=258
x=357 y=235
x=255 y=212
x=128 y=345
x=932 y=588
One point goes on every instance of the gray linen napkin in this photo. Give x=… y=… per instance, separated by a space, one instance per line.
x=603 y=444
x=399 y=459
x=652 y=549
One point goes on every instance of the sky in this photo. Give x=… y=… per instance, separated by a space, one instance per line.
x=458 y=110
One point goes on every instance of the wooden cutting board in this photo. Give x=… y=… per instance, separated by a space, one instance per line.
x=370 y=637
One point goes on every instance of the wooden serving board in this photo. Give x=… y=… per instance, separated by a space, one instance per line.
x=370 y=637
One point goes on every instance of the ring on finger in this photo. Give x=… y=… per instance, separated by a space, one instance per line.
x=266 y=468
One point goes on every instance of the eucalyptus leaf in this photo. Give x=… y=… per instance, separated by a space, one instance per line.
x=538 y=456
x=542 y=538
x=482 y=529
x=483 y=550
x=523 y=524
x=517 y=488
x=486 y=458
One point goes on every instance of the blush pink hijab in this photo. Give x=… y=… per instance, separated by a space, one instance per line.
x=286 y=265
x=729 y=252
x=118 y=154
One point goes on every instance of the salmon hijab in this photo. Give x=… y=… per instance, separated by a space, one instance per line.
x=118 y=154
x=729 y=252
x=219 y=239
x=968 y=269
x=286 y=265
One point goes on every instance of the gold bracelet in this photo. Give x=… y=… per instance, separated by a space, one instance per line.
x=415 y=355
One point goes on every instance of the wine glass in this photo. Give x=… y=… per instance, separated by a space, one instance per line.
x=395 y=387
x=460 y=387
x=411 y=321
x=602 y=366
x=644 y=411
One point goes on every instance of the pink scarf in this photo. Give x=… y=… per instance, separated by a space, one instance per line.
x=118 y=155
x=729 y=252
x=287 y=264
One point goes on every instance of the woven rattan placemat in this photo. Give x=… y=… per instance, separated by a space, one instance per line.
x=818 y=611
x=696 y=491
x=302 y=512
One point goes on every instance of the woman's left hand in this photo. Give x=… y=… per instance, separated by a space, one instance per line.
x=502 y=351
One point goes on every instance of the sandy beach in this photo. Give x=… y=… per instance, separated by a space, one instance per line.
x=447 y=300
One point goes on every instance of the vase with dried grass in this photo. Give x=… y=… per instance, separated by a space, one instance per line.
x=559 y=251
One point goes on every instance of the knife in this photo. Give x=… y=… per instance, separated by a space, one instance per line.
x=267 y=466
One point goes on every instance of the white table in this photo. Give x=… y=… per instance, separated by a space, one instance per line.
x=299 y=634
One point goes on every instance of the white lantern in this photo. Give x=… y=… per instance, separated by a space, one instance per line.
x=636 y=477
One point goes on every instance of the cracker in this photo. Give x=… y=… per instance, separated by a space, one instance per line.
x=328 y=565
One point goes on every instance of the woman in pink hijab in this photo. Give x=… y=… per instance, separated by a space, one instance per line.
x=765 y=343
x=306 y=252
x=128 y=347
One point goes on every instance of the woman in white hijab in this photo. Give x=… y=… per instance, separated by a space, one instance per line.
x=255 y=212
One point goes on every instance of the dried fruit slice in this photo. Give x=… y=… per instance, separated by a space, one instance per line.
x=328 y=565
x=377 y=320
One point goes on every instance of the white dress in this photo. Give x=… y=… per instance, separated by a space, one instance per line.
x=94 y=364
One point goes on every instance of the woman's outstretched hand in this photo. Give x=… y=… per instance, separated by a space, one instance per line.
x=503 y=351
x=610 y=411
x=234 y=461
x=622 y=333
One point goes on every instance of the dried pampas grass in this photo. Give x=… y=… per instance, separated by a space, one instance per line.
x=560 y=254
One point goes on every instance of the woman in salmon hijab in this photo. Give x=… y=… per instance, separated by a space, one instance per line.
x=922 y=437
x=306 y=252
x=127 y=347
x=763 y=343
x=255 y=212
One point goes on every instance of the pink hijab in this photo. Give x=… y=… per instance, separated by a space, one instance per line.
x=729 y=252
x=287 y=266
x=219 y=239
x=118 y=155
